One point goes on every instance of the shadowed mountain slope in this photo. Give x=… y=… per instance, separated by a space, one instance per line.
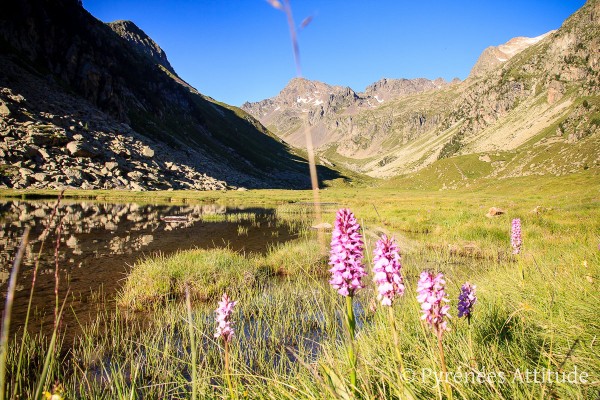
x=88 y=104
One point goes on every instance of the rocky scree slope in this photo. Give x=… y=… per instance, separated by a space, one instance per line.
x=90 y=105
x=538 y=112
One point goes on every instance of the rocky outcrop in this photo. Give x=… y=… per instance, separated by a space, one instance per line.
x=494 y=56
x=568 y=57
x=141 y=42
x=389 y=89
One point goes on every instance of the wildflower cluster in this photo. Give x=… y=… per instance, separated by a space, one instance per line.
x=386 y=271
x=224 y=329
x=466 y=300
x=346 y=254
x=432 y=296
x=347 y=271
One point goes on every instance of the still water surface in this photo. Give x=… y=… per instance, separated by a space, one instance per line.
x=99 y=242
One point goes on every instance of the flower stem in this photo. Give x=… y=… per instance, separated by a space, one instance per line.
x=6 y=317
x=443 y=365
x=190 y=322
x=470 y=338
x=396 y=346
x=521 y=268
x=351 y=329
x=227 y=372
x=396 y=340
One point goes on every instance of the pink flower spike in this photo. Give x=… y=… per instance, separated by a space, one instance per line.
x=386 y=271
x=432 y=296
x=346 y=254
x=223 y=318
x=516 y=240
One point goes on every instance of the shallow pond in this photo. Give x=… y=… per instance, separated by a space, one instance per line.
x=99 y=242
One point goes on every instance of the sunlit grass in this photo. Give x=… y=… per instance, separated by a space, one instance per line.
x=536 y=312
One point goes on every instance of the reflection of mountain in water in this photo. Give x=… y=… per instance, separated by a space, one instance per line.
x=99 y=242
x=123 y=221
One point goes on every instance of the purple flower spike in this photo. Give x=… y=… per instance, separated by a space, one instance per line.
x=432 y=296
x=387 y=271
x=346 y=254
x=224 y=310
x=515 y=236
x=466 y=300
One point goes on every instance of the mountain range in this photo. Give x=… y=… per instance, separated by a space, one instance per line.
x=93 y=105
x=529 y=106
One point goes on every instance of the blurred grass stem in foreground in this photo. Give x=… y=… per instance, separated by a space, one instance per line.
x=286 y=7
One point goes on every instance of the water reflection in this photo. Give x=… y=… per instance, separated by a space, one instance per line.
x=99 y=242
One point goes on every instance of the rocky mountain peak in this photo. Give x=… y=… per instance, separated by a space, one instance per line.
x=141 y=42
x=302 y=95
x=326 y=108
x=493 y=56
x=321 y=98
x=303 y=91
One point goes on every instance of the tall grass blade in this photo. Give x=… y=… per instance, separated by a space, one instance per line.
x=50 y=354
x=10 y=298
x=33 y=281
x=190 y=324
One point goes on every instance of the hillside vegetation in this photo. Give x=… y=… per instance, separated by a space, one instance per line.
x=536 y=113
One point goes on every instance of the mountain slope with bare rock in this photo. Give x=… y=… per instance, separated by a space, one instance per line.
x=326 y=109
x=494 y=56
x=530 y=106
x=94 y=105
x=140 y=41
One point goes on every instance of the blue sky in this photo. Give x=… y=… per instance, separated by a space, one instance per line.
x=239 y=50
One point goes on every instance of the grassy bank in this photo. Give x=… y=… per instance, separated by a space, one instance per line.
x=407 y=187
x=208 y=273
x=536 y=312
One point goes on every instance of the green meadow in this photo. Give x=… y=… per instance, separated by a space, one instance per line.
x=534 y=333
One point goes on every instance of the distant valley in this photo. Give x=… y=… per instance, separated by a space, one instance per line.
x=530 y=106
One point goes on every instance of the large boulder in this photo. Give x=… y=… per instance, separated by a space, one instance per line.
x=82 y=149
x=4 y=110
x=147 y=152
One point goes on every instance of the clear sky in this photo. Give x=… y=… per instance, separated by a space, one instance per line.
x=239 y=50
